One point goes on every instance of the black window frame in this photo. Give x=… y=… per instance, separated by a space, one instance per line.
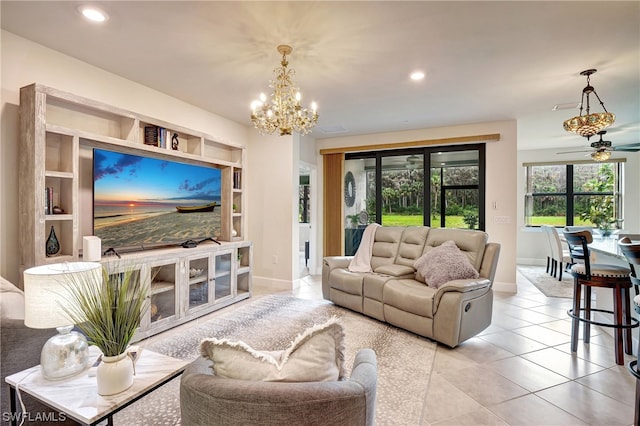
x=426 y=153
x=570 y=194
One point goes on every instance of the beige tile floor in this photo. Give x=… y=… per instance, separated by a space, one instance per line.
x=520 y=371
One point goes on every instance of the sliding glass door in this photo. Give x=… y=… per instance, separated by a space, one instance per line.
x=455 y=189
x=436 y=186
x=402 y=190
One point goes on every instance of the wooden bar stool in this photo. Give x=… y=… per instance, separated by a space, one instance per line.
x=632 y=252
x=590 y=275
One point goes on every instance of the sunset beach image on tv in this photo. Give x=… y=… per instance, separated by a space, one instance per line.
x=140 y=202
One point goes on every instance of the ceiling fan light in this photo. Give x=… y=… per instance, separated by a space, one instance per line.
x=602 y=155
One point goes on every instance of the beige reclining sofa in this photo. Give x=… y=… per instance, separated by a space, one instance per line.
x=396 y=293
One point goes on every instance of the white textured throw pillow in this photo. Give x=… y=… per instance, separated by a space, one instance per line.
x=11 y=301
x=444 y=263
x=315 y=355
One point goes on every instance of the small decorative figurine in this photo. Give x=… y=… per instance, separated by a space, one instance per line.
x=174 y=142
x=53 y=245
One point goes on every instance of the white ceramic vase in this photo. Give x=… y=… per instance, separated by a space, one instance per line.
x=115 y=374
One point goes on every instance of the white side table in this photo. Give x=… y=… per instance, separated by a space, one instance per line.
x=78 y=397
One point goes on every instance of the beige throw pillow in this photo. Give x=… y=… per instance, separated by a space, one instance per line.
x=443 y=264
x=315 y=355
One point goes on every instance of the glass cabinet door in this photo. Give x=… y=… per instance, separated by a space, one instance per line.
x=199 y=277
x=163 y=292
x=223 y=278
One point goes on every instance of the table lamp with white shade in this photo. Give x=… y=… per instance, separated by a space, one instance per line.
x=66 y=353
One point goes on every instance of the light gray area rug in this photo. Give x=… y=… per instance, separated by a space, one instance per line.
x=548 y=285
x=405 y=360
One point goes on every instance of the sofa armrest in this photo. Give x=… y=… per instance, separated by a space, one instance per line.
x=333 y=262
x=490 y=261
x=365 y=373
x=465 y=285
x=460 y=286
x=329 y=264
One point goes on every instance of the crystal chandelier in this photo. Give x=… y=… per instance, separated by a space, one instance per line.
x=283 y=111
x=589 y=124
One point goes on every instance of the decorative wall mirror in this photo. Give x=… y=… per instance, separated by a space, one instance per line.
x=349 y=189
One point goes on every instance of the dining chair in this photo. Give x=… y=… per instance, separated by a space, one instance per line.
x=589 y=275
x=559 y=256
x=632 y=237
x=631 y=251
x=547 y=238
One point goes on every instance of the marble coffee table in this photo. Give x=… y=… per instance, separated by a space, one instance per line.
x=77 y=397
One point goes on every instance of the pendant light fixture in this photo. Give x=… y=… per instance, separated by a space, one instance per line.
x=282 y=111
x=591 y=123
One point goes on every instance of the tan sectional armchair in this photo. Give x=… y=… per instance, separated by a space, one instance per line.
x=397 y=294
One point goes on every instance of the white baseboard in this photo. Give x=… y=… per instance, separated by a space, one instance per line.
x=275 y=284
x=531 y=261
x=505 y=287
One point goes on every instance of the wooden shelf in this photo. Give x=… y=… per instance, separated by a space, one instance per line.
x=52 y=217
x=56 y=174
x=201 y=279
x=57 y=132
x=161 y=286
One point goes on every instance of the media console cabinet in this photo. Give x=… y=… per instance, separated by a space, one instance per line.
x=58 y=132
x=186 y=283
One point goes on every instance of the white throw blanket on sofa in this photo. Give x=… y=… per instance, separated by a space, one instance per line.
x=361 y=262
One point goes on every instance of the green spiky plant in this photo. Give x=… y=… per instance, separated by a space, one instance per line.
x=107 y=314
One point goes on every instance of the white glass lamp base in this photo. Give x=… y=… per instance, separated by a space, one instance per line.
x=64 y=355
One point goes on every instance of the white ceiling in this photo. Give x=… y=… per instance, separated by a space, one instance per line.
x=484 y=61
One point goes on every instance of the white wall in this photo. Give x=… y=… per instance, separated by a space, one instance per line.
x=308 y=150
x=25 y=62
x=531 y=243
x=272 y=170
x=308 y=159
x=501 y=170
x=272 y=162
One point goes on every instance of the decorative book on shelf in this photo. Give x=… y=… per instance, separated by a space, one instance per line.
x=48 y=200
x=156 y=136
x=151 y=135
x=237 y=183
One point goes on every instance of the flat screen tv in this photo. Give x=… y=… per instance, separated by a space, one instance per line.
x=142 y=202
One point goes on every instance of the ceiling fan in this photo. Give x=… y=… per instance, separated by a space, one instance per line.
x=601 y=149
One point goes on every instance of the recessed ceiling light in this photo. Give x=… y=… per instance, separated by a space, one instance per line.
x=93 y=13
x=417 y=75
